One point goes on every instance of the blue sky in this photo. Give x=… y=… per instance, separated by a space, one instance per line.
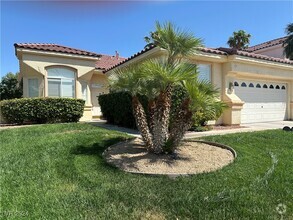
x=105 y=27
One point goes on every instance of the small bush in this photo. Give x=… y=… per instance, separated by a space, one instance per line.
x=117 y=108
x=42 y=110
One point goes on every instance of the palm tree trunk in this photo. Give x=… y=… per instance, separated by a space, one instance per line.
x=183 y=121
x=161 y=120
x=151 y=114
x=141 y=123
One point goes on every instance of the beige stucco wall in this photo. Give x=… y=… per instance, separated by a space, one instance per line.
x=291 y=100
x=41 y=62
x=98 y=86
x=257 y=69
x=35 y=65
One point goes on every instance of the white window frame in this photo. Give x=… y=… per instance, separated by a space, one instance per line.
x=84 y=83
x=62 y=79
x=28 y=87
x=209 y=74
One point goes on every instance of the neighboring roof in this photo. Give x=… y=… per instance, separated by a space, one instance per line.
x=267 y=44
x=230 y=51
x=107 y=62
x=55 y=48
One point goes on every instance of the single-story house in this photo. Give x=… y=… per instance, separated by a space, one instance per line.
x=256 y=83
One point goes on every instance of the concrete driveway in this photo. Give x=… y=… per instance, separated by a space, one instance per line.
x=245 y=128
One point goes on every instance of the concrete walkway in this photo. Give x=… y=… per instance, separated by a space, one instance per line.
x=245 y=128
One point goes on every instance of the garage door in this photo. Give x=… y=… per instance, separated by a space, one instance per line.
x=264 y=101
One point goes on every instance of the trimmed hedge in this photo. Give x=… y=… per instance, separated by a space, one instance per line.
x=42 y=110
x=117 y=108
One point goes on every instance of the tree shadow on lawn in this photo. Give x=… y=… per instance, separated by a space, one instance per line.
x=97 y=148
x=67 y=169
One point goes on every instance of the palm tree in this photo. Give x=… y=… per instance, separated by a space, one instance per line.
x=156 y=78
x=288 y=43
x=202 y=97
x=240 y=40
x=178 y=43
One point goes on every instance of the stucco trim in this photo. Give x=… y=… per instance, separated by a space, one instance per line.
x=248 y=60
x=19 y=52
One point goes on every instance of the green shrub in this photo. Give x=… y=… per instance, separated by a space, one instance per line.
x=117 y=108
x=42 y=110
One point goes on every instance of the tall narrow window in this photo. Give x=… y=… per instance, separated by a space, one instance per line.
x=204 y=72
x=33 y=88
x=84 y=91
x=61 y=82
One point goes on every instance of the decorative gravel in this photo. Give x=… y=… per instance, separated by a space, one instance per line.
x=189 y=158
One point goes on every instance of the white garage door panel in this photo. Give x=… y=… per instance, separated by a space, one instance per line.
x=262 y=104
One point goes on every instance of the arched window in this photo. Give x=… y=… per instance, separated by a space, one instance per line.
x=236 y=83
x=271 y=86
x=283 y=87
x=277 y=87
x=61 y=82
x=243 y=84
x=251 y=85
x=258 y=85
x=265 y=86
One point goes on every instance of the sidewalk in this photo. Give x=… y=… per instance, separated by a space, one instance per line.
x=246 y=128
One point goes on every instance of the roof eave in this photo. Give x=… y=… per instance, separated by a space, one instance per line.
x=54 y=53
x=138 y=56
x=253 y=60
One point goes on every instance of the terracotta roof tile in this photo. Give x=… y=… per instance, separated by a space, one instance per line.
x=107 y=61
x=267 y=44
x=55 y=48
x=130 y=58
x=212 y=50
x=254 y=55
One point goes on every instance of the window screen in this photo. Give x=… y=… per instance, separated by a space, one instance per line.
x=33 y=88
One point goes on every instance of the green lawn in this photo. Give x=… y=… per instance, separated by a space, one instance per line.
x=56 y=172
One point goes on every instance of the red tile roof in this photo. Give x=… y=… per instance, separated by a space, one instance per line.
x=212 y=50
x=55 y=48
x=220 y=51
x=230 y=51
x=107 y=61
x=267 y=44
x=130 y=58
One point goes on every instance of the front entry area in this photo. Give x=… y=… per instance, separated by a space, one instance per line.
x=264 y=101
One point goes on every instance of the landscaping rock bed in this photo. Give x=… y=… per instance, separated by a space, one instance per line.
x=192 y=157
